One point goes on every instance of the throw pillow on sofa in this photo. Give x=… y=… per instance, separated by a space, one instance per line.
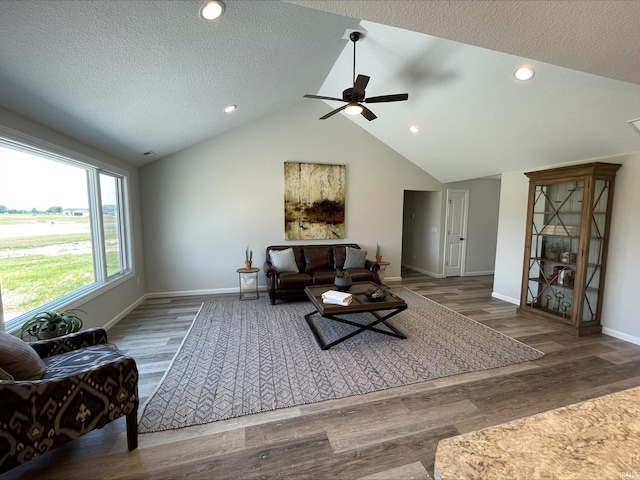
x=356 y=258
x=19 y=360
x=283 y=260
x=317 y=258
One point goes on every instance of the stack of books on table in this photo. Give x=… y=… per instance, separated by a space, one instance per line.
x=337 y=298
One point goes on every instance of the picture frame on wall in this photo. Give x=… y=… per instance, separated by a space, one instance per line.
x=314 y=201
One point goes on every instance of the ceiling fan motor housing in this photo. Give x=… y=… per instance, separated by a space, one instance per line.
x=348 y=96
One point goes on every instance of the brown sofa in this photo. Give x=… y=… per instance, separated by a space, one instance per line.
x=317 y=265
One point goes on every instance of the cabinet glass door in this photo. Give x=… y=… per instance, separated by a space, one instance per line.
x=555 y=236
x=596 y=250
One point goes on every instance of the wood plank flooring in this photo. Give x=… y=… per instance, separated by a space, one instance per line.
x=391 y=434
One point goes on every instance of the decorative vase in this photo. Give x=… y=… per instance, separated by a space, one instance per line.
x=342 y=284
x=49 y=334
x=247 y=264
x=378 y=258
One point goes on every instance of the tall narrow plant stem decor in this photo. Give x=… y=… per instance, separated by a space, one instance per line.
x=248 y=257
x=314 y=201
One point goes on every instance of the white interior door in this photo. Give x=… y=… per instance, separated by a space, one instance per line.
x=457 y=210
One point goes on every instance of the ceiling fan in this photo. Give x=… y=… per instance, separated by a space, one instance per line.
x=355 y=96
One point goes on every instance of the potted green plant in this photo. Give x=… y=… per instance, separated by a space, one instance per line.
x=342 y=281
x=378 y=253
x=52 y=324
x=248 y=257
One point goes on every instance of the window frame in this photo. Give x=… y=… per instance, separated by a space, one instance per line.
x=12 y=139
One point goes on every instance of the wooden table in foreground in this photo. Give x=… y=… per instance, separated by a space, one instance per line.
x=360 y=304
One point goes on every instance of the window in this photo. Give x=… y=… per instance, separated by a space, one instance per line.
x=62 y=229
x=110 y=188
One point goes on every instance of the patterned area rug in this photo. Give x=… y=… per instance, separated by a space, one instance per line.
x=246 y=357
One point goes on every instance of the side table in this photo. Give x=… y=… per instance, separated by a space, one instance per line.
x=383 y=268
x=248 y=280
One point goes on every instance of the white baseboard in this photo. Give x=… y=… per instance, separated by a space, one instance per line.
x=213 y=291
x=477 y=274
x=188 y=293
x=185 y=293
x=392 y=279
x=420 y=270
x=124 y=313
x=220 y=291
x=621 y=336
x=441 y=275
x=499 y=296
x=607 y=331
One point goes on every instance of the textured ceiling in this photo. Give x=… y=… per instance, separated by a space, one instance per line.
x=475 y=119
x=594 y=36
x=130 y=76
x=135 y=75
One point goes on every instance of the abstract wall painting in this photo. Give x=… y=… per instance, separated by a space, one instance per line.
x=314 y=200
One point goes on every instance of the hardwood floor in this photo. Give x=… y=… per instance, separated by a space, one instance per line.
x=390 y=434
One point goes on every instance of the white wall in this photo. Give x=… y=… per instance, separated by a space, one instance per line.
x=421 y=247
x=482 y=225
x=202 y=206
x=511 y=233
x=109 y=305
x=620 y=312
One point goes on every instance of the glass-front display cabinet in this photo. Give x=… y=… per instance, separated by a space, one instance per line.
x=568 y=218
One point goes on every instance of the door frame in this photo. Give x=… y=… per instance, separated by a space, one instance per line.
x=465 y=222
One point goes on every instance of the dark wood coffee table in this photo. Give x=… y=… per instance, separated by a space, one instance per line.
x=360 y=304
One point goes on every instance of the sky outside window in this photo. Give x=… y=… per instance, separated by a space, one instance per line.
x=28 y=181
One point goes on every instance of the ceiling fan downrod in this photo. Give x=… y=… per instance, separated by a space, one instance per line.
x=354 y=36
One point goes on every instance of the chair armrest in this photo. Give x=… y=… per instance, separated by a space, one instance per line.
x=67 y=343
x=269 y=270
x=375 y=268
x=371 y=265
x=40 y=415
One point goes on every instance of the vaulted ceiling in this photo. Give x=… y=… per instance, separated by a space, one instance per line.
x=134 y=76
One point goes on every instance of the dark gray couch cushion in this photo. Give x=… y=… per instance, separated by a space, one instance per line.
x=317 y=258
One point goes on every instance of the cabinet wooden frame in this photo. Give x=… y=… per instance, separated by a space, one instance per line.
x=585 y=276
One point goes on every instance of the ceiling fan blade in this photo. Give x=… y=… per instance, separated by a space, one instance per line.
x=368 y=114
x=360 y=85
x=321 y=97
x=398 y=97
x=333 y=112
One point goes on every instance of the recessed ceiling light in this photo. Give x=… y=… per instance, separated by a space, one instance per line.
x=524 y=73
x=414 y=129
x=230 y=108
x=353 y=109
x=212 y=9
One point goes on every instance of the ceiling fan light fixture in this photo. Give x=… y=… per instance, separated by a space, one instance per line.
x=353 y=109
x=524 y=73
x=212 y=9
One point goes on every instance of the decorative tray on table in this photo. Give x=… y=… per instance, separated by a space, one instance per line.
x=377 y=295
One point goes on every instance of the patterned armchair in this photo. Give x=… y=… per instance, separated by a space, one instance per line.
x=87 y=384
